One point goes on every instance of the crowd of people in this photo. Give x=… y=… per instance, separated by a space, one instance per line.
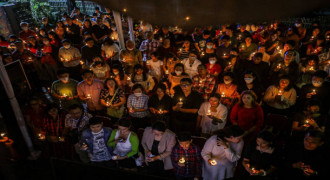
x=258 y=95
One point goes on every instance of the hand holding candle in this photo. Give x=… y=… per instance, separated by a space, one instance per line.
x=182 y=162
x=213 y=162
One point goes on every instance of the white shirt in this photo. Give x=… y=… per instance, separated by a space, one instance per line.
x=191 y=70
x=155 y=70
x=68 y=55
x=100 y=150
x=206 y=123
x=110 y=50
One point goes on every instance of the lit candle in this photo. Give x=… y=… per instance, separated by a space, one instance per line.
x=61 y=139
x=307 y=121
x=311 y=68
x=223 y=94
x=48 y=88
x=160 y=111
x=180 y=101
x=202 y=54
x=88 y=96
x=37 y=29
x=108 y=103
x=213 y=162
x=81 y=62
x=224 y=54
x=67 y=29
x=279 y=66
x=114 y=157
x=312 y=38
x=166 y=72
x=128 y=78
x=314 y=91
x=64 y=95
x=53 y=30
x=208 y=112
x=161 y=39
x=180 y=50
x=113 y=38
x=280 y=92
x=3 y=135
x=253 y=170
x=182 y=160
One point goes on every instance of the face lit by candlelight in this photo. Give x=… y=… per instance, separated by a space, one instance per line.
x=139 y=71
x=160 y=92
x=312 y=143
x=88 y=78
x=214 y=101
x=185 y=144
x=96 y=127
x=76 y=113
x=247 y=99
x=284 y=83
x=64 y=77
x=111 y=84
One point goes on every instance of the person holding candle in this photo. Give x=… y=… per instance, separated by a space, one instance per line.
x=186 y=158
x=137 y=104
x=170 y=61
x=59 y=30
x=204 y=82
x=48 y=58
x=89 y=91
x=221 y=153
x=99 y=31
x=130 y=57
x=75 y=122
x=307 y=160
x=26 y=32
x=248 y=115
x=158 y=142
x=149 y=45
x=125 y=145
x=261 y=158
x=165 y=48
x=155 y=66
x=140 y=77
x=184 y=51
x=54 y=39
x=89 y=51
x=186 y=103
x=64 y=90
x=110 y=51
x=212 y=116
x=34 y=114
x=209 y=52
x=72 y=32
x=310 y=118
x=223 y=51
x=318 y=90
x=286 y=67
x=86 y=27
x=280 y=98
x=113 y=98
x=100 y=69
x=53 y=124
x=94 y=142
x=228 y=90
x=176 y=76
x=258 y=66
x=160 y=105
x=119 y=75
x=191 y=64
x=200 y=41
x=70 y=57
x=247 y=47
x=213 y=67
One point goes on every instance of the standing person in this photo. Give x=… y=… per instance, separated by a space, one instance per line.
x=149 y=45
x=125 y=144
x=186 y=158
x=49 y=58
x=160 y=105
x=191 y=64
x=248 y=115
x=94 y=142
x=203 y=82
x=228 y=90
x=175 y=78
x=64 y=90
x=75 y=122
x=137 y=104
x=72 y=32
x=221 y=153
x=140 y=77
x=113 y=98
x=89 y=91
x=89 y=51
x=110 y=51
x=212 y=116
x=100 y=69
x=34 y=114
x=158 y=142
x=155 y=66
x=70 y=57
x=185 y=106
x=130 y=57
x=120 y=76
x=26 y=32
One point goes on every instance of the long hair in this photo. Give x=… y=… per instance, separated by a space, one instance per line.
x=121 y=71
x=248 y=92
x=284 y=77
x=110 y=79
x=179 y=65
x=136 y=67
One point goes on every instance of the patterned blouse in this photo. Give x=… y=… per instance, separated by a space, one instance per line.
x=107 y=97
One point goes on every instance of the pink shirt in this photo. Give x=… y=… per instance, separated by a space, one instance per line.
x=94 y=91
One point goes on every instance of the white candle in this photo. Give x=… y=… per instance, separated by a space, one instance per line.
x=182 y=160
x=213 y=162
x=223 y=94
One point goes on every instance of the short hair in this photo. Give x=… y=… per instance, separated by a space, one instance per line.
x=202 y=65
x=206 y=32
x=86 y=71
x=186 y=80
x=62 y=71
x=110 y=79
x=184 y=136
x=51 y=106
x=251 y=93
x=258 y=55
x=95 y=120
x=316 y=134
x=159 y=126
x=137 y=86
x=125 y=122
x=161 y=86
x=138 y=66
x=292 y=43
x=66 y=41
x=88 y=39
x=321 y=74
x=225 y=37
x=234 y=131
x=23 y=24
x=75 y=106
x=216 y=95
x=266 y=136
x=230 y=74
